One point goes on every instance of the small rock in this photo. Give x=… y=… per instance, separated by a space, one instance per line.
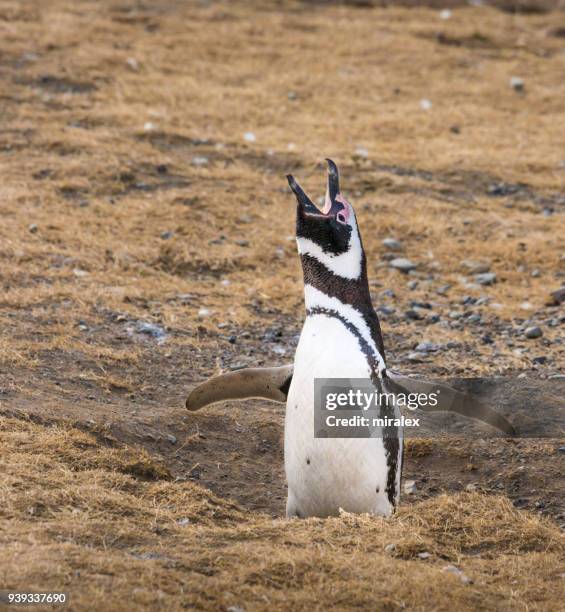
x=471 y=487
x=166 y=235
x=203 y=312
x=445 y=14
x=292 y=95
x=32 y=228
x=413 y=315
x=455 y=570
x=517 y=84
x=199 y=160
x=172 y=439
x=417 y=357
x=410 y=487
x=541 y=360
x=535 y=273
x=404 y=265
x=249 y=137
x=533 y=332
x=412 y=285
x=487 y=278
x=392 y=244
x=424 y=555
x=390 y=548
x=148 y=126
x=443 y=289
x=428 y=347
x=362 y=152
x=455 y=314
x=425 y=104
x=183 y=522
x=557 y=297
x=162 y=169
x=132 y=64
x=476 y=267
x=242 y=243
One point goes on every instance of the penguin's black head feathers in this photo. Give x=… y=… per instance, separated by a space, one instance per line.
x=330 y=234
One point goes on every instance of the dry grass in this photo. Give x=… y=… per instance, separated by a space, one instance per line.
x=84 y=132
x=103 y=525
x=104 y=109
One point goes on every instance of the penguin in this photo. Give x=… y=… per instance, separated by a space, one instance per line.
x=341 y=338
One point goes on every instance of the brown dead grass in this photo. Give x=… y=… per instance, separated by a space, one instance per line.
x=87 y=519
x=96 y=98
x=78 y=162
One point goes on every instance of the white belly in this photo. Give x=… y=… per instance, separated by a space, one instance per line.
x=326 y=474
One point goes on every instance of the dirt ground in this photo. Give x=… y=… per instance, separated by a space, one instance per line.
x=146 y=242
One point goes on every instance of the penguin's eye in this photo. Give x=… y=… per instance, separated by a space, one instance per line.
x=341 y=218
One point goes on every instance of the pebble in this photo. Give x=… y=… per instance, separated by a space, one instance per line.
x=443 y=289
x=203 y=312
x=199 y=160
x=151 y=329
x=455 y=314
x=413 y=315
x=385 y=310
x=425 y=104
x=455 y=570
x=445 y=14
x=487 y=278
x=292 y=95
x=392 y=244
x=172 y=439
x=166 y=235
x=557 y=297
x=32 y=228
x=476 y=267
x=132 y=63
x=148 y=126
x=404 y=265
x=424 y=555
x=410 y=487
x=517 y=83
x=428 y=347
x=362 y=152
x=413 y=284
x=533 y=332
x=249 y=137
x=390 y=548
x=183 y=522
x=471 y=487
x=417 y=357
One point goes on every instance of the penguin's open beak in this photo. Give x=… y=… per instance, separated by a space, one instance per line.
x=332 y=204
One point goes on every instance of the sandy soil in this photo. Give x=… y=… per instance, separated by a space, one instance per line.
x=146 y=241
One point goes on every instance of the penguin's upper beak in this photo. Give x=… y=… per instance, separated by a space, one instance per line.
x=332 y=204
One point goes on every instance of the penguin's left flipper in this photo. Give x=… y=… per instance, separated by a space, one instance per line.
x=450 y=400
x=264 y=383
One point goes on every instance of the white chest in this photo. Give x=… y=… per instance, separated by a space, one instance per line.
x=325 y=475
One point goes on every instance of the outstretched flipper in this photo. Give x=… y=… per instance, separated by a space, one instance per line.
x=264 y=383
x=450 y=400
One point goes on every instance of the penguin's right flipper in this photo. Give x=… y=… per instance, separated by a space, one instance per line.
x=263 y=383
x=451 y=400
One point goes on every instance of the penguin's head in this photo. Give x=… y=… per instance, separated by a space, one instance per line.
x=329 y=235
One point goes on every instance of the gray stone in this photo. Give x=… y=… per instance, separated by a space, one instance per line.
x=410 y=487
x=392 y=244
x=428 y=347
x=488 y=278
x=476 y=267
x=404 y=265
x=533 y=332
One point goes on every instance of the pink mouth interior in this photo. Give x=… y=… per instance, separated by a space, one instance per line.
x=346 y=212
